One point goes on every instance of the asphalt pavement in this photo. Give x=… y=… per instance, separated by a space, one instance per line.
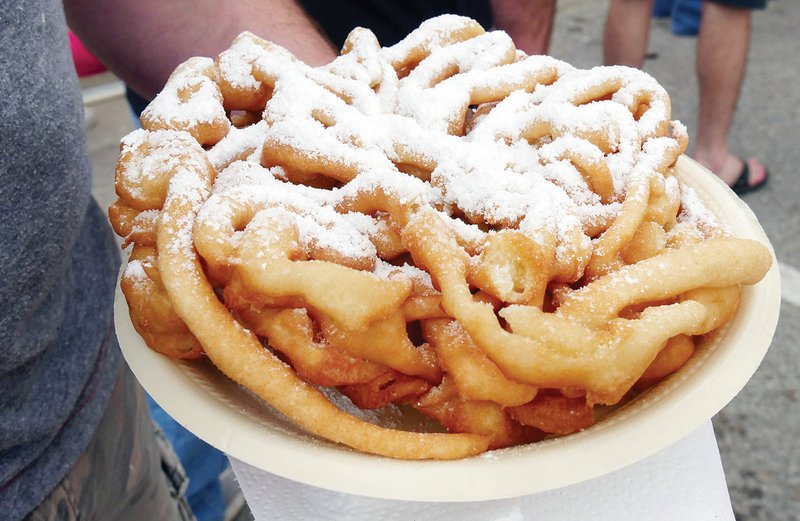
x=759 y=431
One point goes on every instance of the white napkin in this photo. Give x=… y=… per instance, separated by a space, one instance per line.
x=684 y=481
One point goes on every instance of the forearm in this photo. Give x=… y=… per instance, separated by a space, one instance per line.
x=528 y=22
x=143 y=41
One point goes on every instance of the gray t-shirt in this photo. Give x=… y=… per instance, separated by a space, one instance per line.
x=58 y=262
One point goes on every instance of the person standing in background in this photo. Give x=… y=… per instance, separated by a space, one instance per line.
x=722 y=49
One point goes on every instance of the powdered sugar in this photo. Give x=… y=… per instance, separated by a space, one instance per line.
x=696 y=214
x=191 y=97
x=374 y=113
x=238 y=144
x=143 y=176
x=135 y=272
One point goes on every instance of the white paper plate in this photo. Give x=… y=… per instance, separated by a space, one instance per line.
x=231 y=419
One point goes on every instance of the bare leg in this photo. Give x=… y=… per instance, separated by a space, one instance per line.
x=626 y=32
x=528 y=22
x=722 y=48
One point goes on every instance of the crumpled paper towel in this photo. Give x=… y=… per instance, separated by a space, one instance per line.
x=684 y=481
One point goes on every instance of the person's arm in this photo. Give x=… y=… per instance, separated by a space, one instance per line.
x=528 y=22
x=143 y=41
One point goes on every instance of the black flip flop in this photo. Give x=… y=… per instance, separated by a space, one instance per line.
x=742 y=185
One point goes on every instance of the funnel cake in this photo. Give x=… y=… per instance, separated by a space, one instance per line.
x=496 y=240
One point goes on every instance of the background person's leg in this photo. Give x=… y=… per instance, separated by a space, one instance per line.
x=722 y=48
x=529 y=22
x=626 y=32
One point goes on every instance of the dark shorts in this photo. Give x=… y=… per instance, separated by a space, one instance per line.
x=127 y=472
x=742 y=4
